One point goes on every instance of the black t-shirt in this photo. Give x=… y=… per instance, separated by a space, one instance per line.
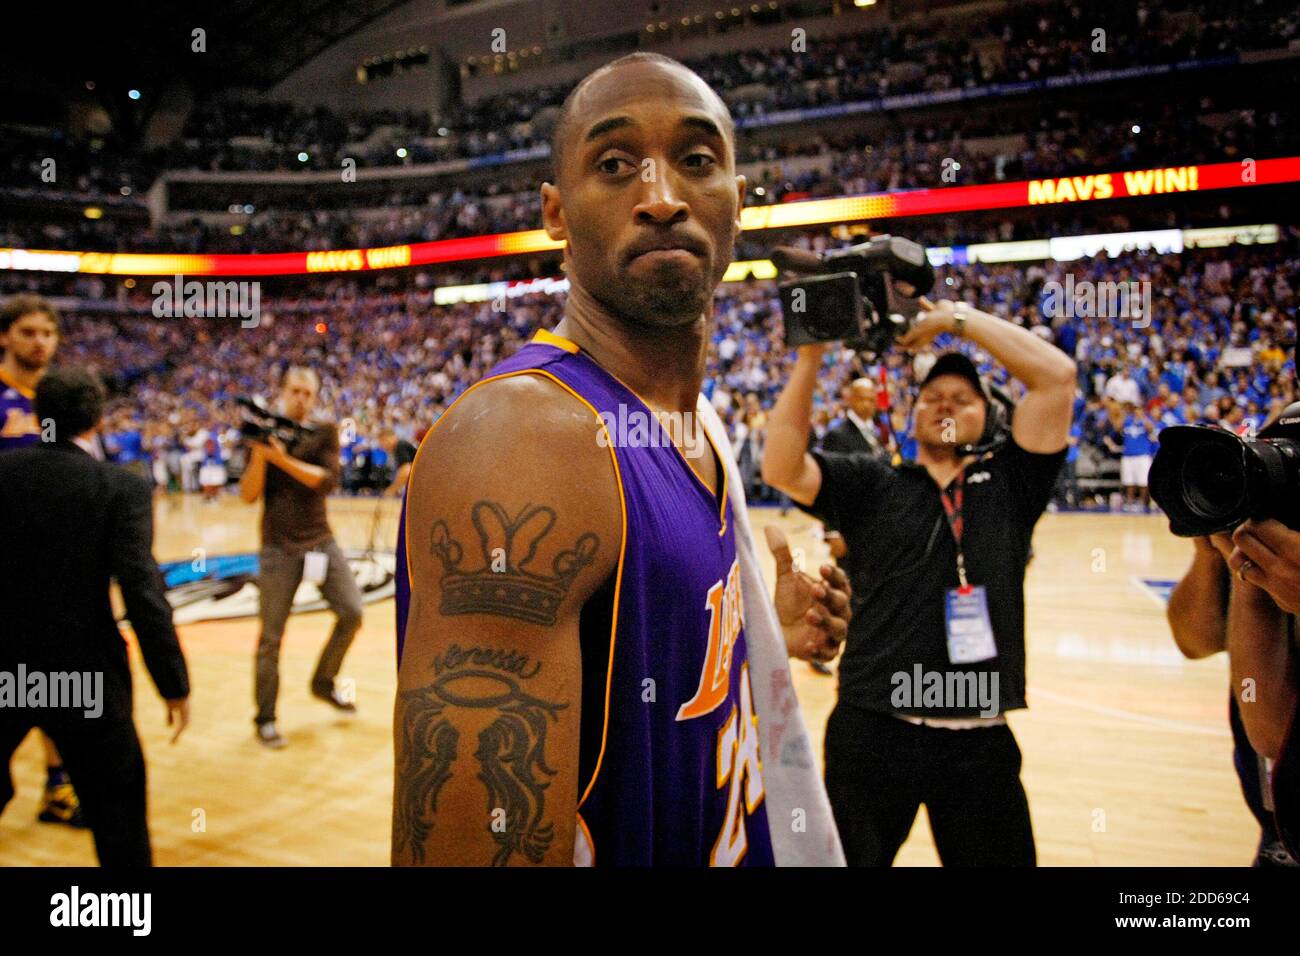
x=293 y=517
x=403 y=453
x=889 y=515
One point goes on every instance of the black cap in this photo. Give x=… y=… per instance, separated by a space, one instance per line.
x=957 y=363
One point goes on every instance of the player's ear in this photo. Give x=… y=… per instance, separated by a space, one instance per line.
x=553 y=213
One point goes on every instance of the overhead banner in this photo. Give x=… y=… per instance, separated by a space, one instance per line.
x=1059 y=191
x=1059 y=248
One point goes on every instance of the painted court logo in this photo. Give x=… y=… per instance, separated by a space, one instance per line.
x=224 y=587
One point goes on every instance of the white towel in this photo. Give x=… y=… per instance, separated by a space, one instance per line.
x=798 y=811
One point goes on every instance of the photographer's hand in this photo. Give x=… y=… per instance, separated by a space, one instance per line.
x=272 y=450
x=254 y=478
x=934 y=320
x=1041 y=422
x=1267 y=555
x=305 y=473
x=814 y=614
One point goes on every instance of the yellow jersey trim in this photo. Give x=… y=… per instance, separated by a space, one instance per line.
x=27 y=393
x=550 y=338
x=622 y=548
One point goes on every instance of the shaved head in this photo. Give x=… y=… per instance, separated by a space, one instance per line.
x=645 y=193
x=566 y=126
x=862 y=397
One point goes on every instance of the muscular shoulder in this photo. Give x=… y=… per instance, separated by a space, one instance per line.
x=517 y=447
x=522 y=419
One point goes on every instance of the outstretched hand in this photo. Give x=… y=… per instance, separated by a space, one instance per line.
x=814 y=613
x=1265 y=554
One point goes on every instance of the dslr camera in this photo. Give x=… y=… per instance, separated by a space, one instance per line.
x=1209 y=480
x=258 y=423
x=849 y=295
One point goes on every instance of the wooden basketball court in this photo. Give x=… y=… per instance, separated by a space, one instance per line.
x=1127 y=754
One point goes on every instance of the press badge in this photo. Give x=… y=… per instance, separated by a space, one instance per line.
x=970 y=633
x=314 y=566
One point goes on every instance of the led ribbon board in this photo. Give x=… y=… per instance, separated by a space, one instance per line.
x=1060 y=191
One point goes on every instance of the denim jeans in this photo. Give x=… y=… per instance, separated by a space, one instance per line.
x=279 y=575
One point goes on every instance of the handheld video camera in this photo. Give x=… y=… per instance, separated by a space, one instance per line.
x=1209 y=480
x=849 y=294
x=258 y=423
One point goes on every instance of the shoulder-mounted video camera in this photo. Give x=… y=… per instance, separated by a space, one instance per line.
x=850 y=295
x=258 y=423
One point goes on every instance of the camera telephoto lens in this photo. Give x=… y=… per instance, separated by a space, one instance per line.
x=1214 y=481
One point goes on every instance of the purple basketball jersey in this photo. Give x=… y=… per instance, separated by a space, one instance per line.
x=18 y=425
x=670 y=770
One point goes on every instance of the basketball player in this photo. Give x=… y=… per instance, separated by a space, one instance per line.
x=29 y=335
x=574 y=639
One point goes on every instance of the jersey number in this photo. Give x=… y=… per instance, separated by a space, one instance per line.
x=738 y=765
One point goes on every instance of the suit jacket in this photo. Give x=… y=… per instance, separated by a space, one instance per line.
x=845 y=438
x=68 y=525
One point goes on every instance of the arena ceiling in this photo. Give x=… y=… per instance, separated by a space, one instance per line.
x=144 y=44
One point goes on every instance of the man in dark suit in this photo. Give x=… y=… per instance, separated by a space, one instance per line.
x=859 y=429
x=68 y=524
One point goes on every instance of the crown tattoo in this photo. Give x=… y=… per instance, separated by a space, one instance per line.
x=505 y=585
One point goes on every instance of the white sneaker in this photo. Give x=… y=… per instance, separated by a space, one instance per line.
x=270 y=737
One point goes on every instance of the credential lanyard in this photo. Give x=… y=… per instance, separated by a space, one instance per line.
x=952 y=505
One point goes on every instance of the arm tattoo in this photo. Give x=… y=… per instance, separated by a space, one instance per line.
x=505 y=585
x=428 y=751
x=511 y=750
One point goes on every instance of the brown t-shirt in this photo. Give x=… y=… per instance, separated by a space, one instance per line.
x=293 y=518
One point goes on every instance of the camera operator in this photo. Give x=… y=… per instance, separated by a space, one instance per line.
x=297 y=542
x=401 y=455
x=937 y=550
x=1198 y=619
